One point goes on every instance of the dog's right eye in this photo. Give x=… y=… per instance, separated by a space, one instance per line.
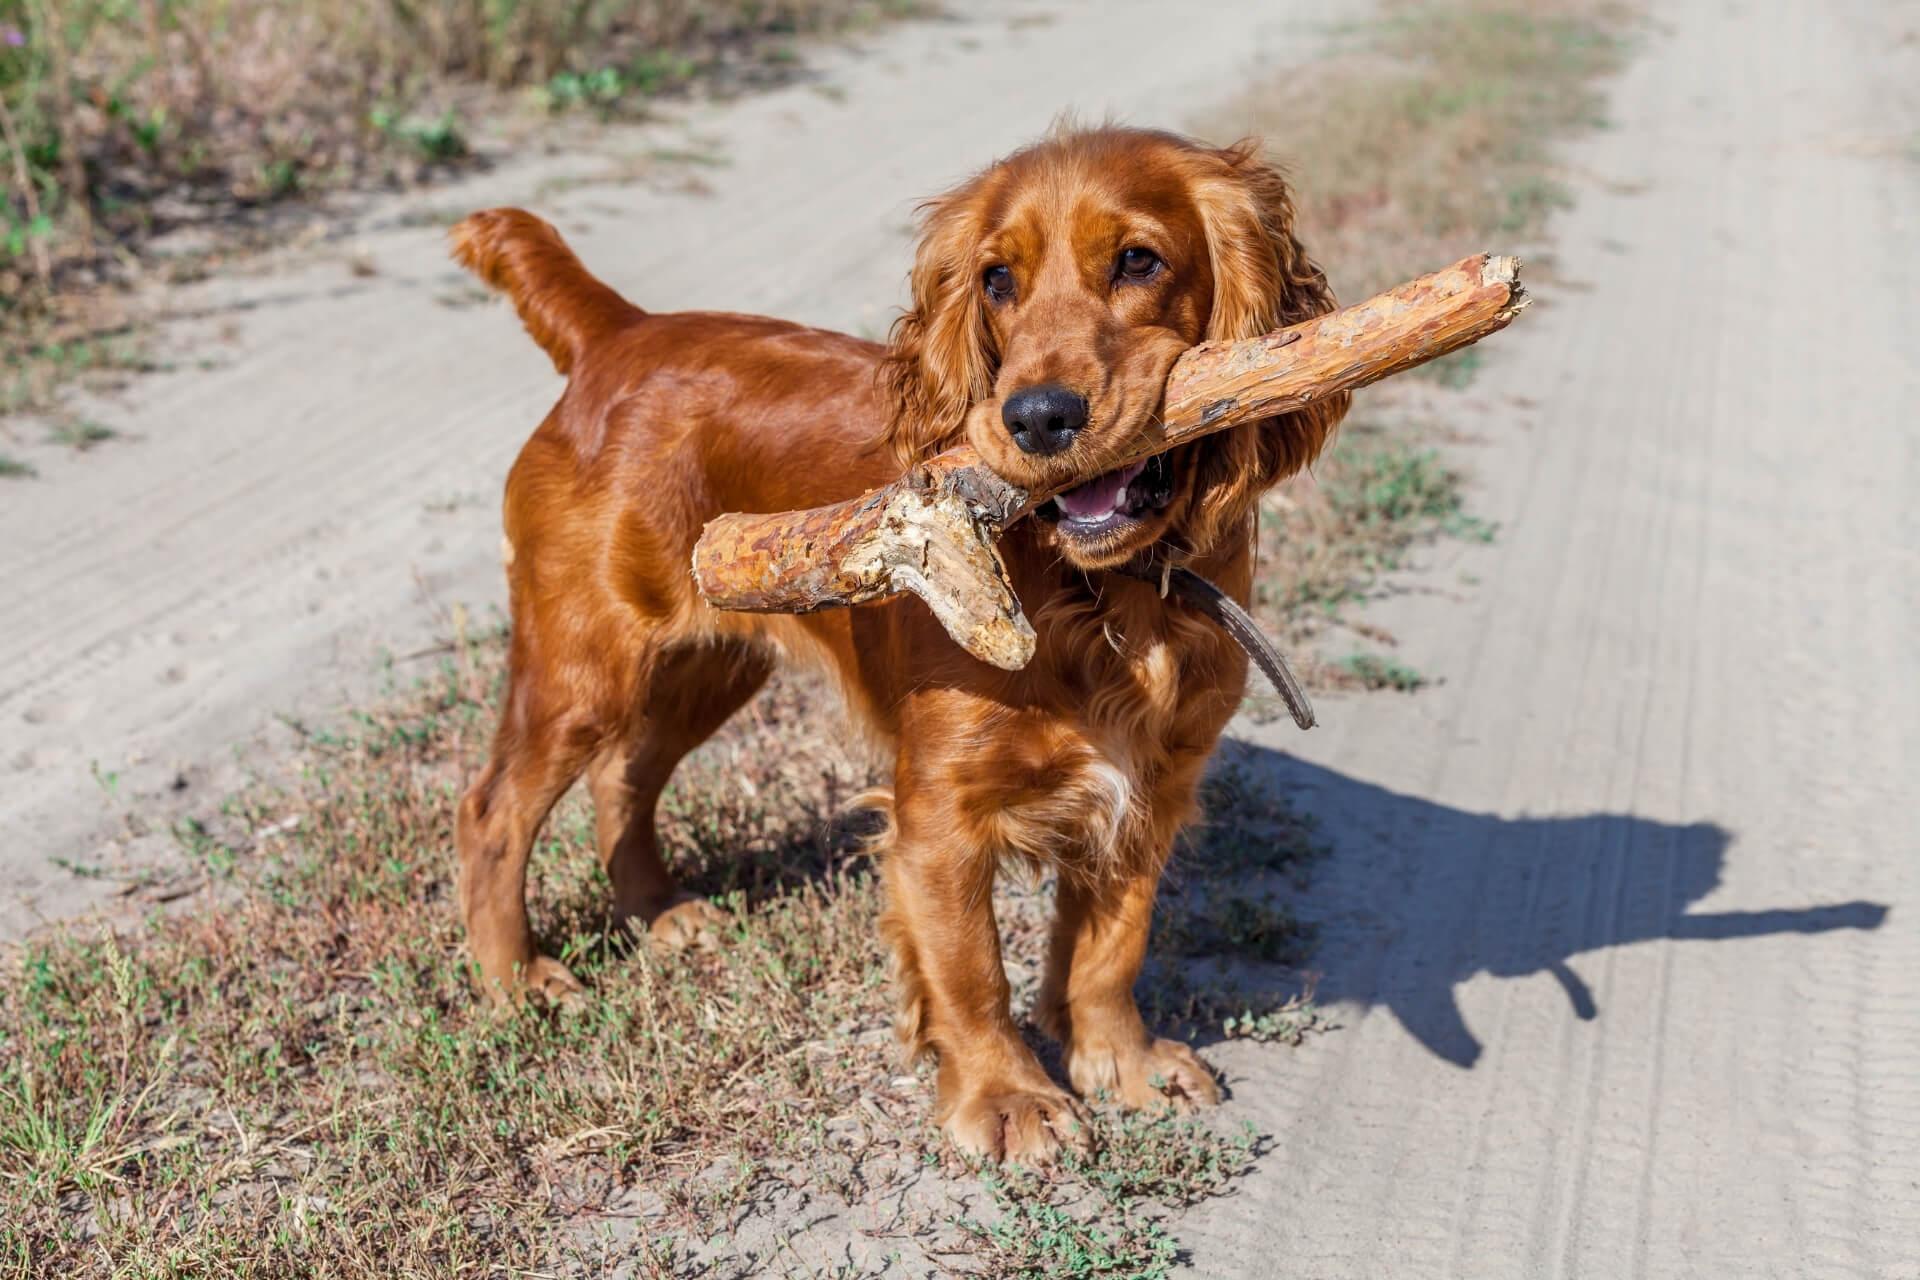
x=999 y=283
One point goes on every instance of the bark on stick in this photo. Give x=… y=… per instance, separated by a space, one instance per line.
x=933 y=531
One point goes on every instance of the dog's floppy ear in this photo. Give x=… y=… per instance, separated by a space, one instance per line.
x=940 y=359
x=1262 y=280
x=1262 y=276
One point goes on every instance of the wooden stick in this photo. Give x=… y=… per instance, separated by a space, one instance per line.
x=932 y=532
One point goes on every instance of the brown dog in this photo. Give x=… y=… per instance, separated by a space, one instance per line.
x=1051 y=295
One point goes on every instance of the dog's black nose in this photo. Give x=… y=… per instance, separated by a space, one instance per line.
x=1044 y=419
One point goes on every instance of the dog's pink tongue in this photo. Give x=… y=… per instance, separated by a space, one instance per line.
x=1099 y=496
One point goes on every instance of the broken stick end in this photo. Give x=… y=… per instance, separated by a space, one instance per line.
x=1008 y=644
x=1504 y=269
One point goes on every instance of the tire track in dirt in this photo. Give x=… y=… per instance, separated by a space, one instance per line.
x=1616 y=919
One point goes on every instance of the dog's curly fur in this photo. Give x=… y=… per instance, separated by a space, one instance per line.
x=1085 y=762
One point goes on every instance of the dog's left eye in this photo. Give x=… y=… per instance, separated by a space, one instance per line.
x=1137 y=263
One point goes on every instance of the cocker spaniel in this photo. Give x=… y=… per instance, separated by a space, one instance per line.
x=1051 y=294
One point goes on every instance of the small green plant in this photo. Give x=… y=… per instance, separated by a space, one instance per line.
x=608 y=88
x=570 y=90
x=652 y=71
x=12 y=468
x=1288 y=1024
x=438 y=139
x=23 y=232
x=278 y=177
x=80 y=434
x=1035 y=1238
x=108 y=780
x=1374 y=671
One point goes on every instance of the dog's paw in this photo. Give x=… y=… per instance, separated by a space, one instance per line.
x=541 y=976
x=1160 y=1073
x=1026 y=1125
x=551 y=980
x=689 y=922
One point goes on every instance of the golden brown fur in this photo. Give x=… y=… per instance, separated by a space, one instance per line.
x=1085 y=762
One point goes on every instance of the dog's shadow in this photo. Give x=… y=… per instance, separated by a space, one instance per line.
x=1415 y=898
x=1412 y=898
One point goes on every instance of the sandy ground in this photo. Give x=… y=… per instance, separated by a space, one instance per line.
x=1621 y=916
x=1616 y=925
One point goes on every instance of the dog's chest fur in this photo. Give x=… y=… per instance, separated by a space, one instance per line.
x=1108 y=784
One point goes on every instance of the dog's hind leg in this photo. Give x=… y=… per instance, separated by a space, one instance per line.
x=688 y=694
x=539 y=749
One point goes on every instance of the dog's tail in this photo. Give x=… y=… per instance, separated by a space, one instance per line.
x=563 y=306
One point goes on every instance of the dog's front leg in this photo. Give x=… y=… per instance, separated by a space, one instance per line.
x=995 y=1099
x=1086 y=1002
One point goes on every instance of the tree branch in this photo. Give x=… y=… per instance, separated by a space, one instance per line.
x=932 y=532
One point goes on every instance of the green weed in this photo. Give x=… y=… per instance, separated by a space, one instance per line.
x=80 y=434
x=1375 y=671
x=437 y=139
x=1326 y=540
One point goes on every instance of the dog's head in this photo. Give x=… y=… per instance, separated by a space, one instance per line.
x=1052 y=294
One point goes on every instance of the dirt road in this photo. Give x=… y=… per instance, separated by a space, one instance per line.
x=1616 y=925
x=1620 y=918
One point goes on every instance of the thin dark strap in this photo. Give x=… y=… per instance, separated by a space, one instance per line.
x=1194 y=591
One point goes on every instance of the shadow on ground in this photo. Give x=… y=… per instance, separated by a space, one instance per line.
x=1416 y=898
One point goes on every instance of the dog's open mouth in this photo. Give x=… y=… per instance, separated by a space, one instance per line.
x=1109 y=503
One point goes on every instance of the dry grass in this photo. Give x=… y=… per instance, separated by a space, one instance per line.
x=126 y=116
x=121 y=120
x=1426 y=138
x=288 y=1073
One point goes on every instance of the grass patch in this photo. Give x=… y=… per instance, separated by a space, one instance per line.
x=1034 y=1236
x=1428 y=137
x=87 y=341
x=1375 y=671
x=1325 y=543
x=291 y=1074
x=14 y=469
x=124 y=119
x=1226 y=954
x=110 y=104
x=1089 y=1221
x=80 y=434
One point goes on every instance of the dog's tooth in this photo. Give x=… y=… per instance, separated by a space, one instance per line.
x=1120 y=499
